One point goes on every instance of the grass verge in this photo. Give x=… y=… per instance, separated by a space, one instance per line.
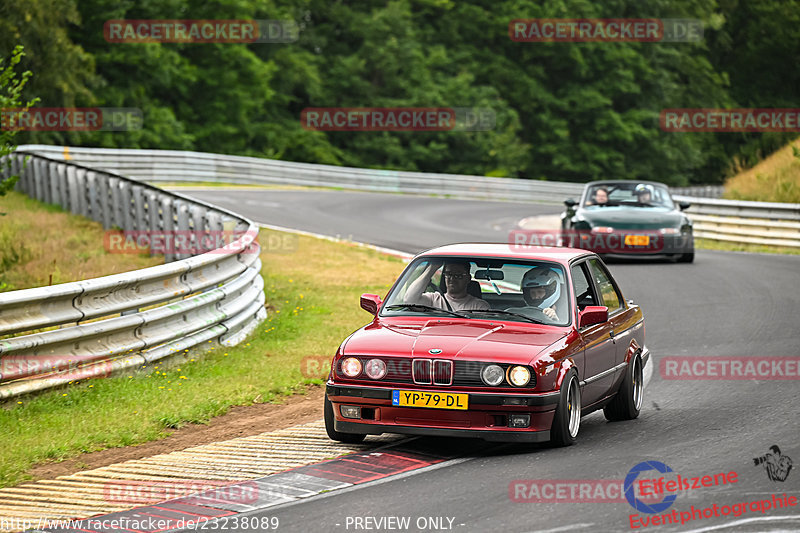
x=708 y=244
x=775 y=179
x=34 y=254
x=312 y=292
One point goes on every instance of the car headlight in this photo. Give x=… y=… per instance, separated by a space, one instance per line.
x=519 y=376
x=670 y=231
x=375 y=368
x=351 y=367
x=492 y=375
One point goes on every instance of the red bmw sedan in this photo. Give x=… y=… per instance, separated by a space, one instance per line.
x=494 y=341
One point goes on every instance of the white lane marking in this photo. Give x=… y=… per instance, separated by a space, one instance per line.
x=570 y=527
x=745 y=521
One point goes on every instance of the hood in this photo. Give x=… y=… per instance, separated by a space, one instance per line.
x=628 y=217
x=471 y=340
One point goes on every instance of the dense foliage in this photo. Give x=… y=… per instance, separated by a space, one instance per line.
x=565 y=111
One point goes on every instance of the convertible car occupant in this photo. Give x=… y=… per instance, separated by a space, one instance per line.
x=600 y=197
x=456 y=298
x=643 y=193
x=540 y=288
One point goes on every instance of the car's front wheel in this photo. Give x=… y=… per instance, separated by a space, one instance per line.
x=567 y=420
x=628 y=401
x=348 y=438
x=688 y=257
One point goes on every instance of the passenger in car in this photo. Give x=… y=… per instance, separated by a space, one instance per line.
x=539 y=285
x=456 y=278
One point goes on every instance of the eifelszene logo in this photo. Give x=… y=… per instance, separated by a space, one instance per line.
x=637 y=503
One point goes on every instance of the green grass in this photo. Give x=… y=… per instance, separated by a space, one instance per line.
x=32 y=254
x=775 y=179
x=312 y=294
x=707 y=244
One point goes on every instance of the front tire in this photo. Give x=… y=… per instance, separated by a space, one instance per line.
x=348 y=438
x=627 y=404
x=686 y=258
x=567 y=420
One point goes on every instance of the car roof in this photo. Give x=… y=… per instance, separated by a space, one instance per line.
x=513 y=251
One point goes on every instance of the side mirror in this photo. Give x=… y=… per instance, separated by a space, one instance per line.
x=592 y=314
x=684 y=205
x=570 y=202
x=371 y=303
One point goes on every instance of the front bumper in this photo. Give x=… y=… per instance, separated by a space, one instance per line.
x=486 y=418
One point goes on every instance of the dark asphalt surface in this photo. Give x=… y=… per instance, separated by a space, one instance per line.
x=723 y=304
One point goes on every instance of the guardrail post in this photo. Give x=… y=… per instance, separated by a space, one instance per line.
x=200 y=229
x=104 y=201
x=93 y=209
x=38 y=179
x=52 y=183
x=63 y=188
x=154 y=213
x=116 y=203
x=81 y=183
x=139 y=217
x=168 y=226
x=183 y=237
x=125 y=205
x=73 y=191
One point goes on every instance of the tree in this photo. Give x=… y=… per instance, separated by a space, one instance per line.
x=10 y=98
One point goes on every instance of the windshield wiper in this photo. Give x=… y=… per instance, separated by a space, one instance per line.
x=500 y=312
x=423 y=307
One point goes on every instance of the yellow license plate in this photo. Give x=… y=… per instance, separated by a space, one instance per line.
x=433 y=400
x=637 y=240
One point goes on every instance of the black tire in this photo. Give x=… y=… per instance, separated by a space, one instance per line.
x=688 y=257
x=348 y=438
x=567 y=420
x=627 y=404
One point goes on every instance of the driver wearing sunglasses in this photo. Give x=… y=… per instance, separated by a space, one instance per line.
x=456 y=280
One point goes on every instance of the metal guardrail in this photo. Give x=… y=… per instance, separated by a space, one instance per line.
x=169 y=165
x=773 y=224
x=700 y=191
x=723 y=220
x=126 y=320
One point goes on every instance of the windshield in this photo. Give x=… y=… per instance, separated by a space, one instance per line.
x=627 y=194
x=481 y=288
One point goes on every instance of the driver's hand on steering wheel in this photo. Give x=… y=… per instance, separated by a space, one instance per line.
x=550 y=313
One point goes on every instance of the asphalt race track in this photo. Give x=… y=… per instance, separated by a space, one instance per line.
x=724 y=304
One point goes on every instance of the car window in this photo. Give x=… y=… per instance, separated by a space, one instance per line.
x=609 y=294
x=625 y=194
x=491 y=283
x=583 y=289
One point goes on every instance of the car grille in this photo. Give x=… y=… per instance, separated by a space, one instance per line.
x=403 y=370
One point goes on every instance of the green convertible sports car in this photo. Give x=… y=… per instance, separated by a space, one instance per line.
x=629 y=218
